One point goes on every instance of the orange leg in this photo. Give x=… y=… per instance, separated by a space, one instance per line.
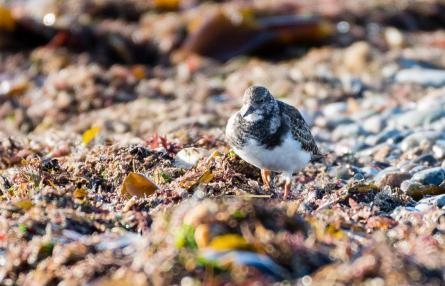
x=287 y=186
x=265 y=175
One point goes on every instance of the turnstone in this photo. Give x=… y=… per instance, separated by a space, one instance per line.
x=271 y=135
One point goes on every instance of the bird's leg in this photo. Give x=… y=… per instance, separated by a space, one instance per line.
x=286 y=190
x=287 y=185
x=265 y=176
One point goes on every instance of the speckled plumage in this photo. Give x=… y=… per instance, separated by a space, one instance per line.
x=286 y=116
x=271 y=134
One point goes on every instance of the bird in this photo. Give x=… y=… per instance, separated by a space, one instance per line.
x=271 y=135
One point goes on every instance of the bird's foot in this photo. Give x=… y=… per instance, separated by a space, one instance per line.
x=265 y=176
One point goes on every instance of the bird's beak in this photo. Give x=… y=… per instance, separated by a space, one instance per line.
x=246 y=110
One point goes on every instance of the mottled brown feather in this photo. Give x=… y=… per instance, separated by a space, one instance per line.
x=300 y=130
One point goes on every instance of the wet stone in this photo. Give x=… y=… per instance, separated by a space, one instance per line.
x=432 y=176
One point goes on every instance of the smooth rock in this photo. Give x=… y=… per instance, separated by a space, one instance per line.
x=336 y=122
x=356 y=56
x=392 y=178
x=439 y=149
x=348 y=130
x=410 y=186
x=370 y=171
x=117 y=126
x=428 y=77
x=432 y=176
x=388 y=135
x=341 y=172
x=353 y=86
x=417 y=117
x=438 y=201
x=374 y=124
x=417 y=190
x=406 y=166
x=423 y=207
x=417 y=168
x=417 y=138
x=187 y=158
x=334 y=109
x=394 y=37
x=426 y=159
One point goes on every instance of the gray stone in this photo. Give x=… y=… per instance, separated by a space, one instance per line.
x=426 y=159
x=187 y=158
x=432 y=176
x=336 y=122
x=416 y=117
x=438 y=201
x=439 y=149
x=388 y=135
x=417 y=138
x=334 y=109
x=370 y=171
x=428 y=77
x=341 y=172
x=374 y=124
x=347 y=131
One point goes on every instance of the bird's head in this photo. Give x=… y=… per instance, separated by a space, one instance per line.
x=257 y=103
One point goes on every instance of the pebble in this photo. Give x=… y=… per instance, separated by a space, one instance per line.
x=356 y=56
x=432 y=176
x=347 y=130
x=391 y=135
x=417 y=138
x=439 y=149
x=426 y=159
x=438 y=201
x=391 y=178
x=336 y=122
x=394 y=37
x=411 y=187
x=117 y=126
x=332 y=110
x=417 y=117
x=187 y=158
x=341 y=172
x=428 y=77
x=374 y=124
x=406 y=166
x=370 y=171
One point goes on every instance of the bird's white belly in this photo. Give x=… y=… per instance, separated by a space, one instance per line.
x=288 y=157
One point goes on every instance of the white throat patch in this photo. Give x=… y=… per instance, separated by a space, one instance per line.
x=254 y=116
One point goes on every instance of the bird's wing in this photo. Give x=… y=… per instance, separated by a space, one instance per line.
x=300 y=130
